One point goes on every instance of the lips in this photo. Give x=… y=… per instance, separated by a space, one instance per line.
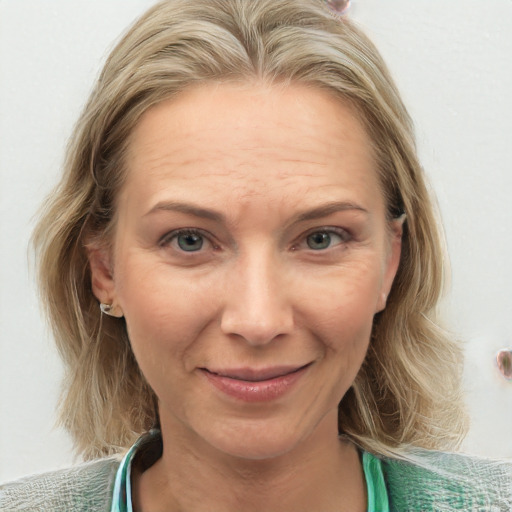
x=255 y=385
x=254 y=375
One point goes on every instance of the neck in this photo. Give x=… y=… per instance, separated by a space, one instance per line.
x=323 y=473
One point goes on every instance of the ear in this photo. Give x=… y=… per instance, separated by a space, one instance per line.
x=392 y=260
x=103 y=285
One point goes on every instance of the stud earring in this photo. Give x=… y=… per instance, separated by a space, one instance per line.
x=108 y=309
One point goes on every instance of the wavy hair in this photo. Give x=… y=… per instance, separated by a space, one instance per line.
x=408 y=389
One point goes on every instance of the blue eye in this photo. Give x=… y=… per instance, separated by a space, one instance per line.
x=190 y=241
x=318 y=241
x=185 y=240
x=321 y=240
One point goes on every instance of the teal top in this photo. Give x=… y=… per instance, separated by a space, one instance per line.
x=377 y=493
x=372 y=467
x=429 y=481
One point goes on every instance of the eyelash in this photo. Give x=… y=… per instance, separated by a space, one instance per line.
x=167 y=239
x=343 y=234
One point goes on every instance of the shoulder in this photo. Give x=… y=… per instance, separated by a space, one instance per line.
x=430 y=480
x=85 y=487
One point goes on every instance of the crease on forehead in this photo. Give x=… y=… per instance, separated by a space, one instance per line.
x=207 y=99
x=223 y=165
x=178 y=155
x=159 y=151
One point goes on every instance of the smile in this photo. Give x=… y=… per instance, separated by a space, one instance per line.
x=252 y=385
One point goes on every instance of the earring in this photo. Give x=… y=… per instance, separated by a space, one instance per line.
x=108 y=309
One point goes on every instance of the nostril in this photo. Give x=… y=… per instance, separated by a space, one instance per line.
x=253 y=329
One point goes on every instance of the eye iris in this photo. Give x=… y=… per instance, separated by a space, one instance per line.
x=190 y=242
x=320 y=240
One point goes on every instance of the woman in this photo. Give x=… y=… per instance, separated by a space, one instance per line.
x=242 y=260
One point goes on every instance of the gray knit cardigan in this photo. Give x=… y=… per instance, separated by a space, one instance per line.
x=427 y=482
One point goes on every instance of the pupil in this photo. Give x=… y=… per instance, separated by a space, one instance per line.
x=190 y=242
x=319 y=241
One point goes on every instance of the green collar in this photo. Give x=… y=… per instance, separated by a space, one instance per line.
x=122 y=496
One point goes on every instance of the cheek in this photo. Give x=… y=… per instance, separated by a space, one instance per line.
x=164 y=314
x=340 y=313
x=344 y=301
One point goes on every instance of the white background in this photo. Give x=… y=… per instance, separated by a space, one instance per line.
x=452 y=60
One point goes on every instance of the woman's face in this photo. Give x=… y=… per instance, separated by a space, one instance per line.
x=250 y=256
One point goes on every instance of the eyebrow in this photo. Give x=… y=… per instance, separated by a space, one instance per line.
x=187 y=208
x=328 y=209
x=205 y=213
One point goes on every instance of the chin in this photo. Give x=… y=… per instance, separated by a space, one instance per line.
x=256 y=449
x=255 y=442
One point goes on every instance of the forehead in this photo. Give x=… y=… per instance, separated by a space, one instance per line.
x=250 y=135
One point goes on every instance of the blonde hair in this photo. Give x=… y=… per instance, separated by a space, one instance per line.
x=408 y=389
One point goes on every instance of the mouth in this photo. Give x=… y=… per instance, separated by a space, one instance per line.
x=256 y=375
x=255 y=385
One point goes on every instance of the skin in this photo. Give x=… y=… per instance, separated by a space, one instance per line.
x=254 y=170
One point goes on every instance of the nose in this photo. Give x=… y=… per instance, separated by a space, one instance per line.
x=257 y=306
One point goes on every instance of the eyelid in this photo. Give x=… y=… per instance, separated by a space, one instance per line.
x=166 y=239
x=344 y=234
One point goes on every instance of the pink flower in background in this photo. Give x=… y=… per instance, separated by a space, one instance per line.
x=338 y=6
